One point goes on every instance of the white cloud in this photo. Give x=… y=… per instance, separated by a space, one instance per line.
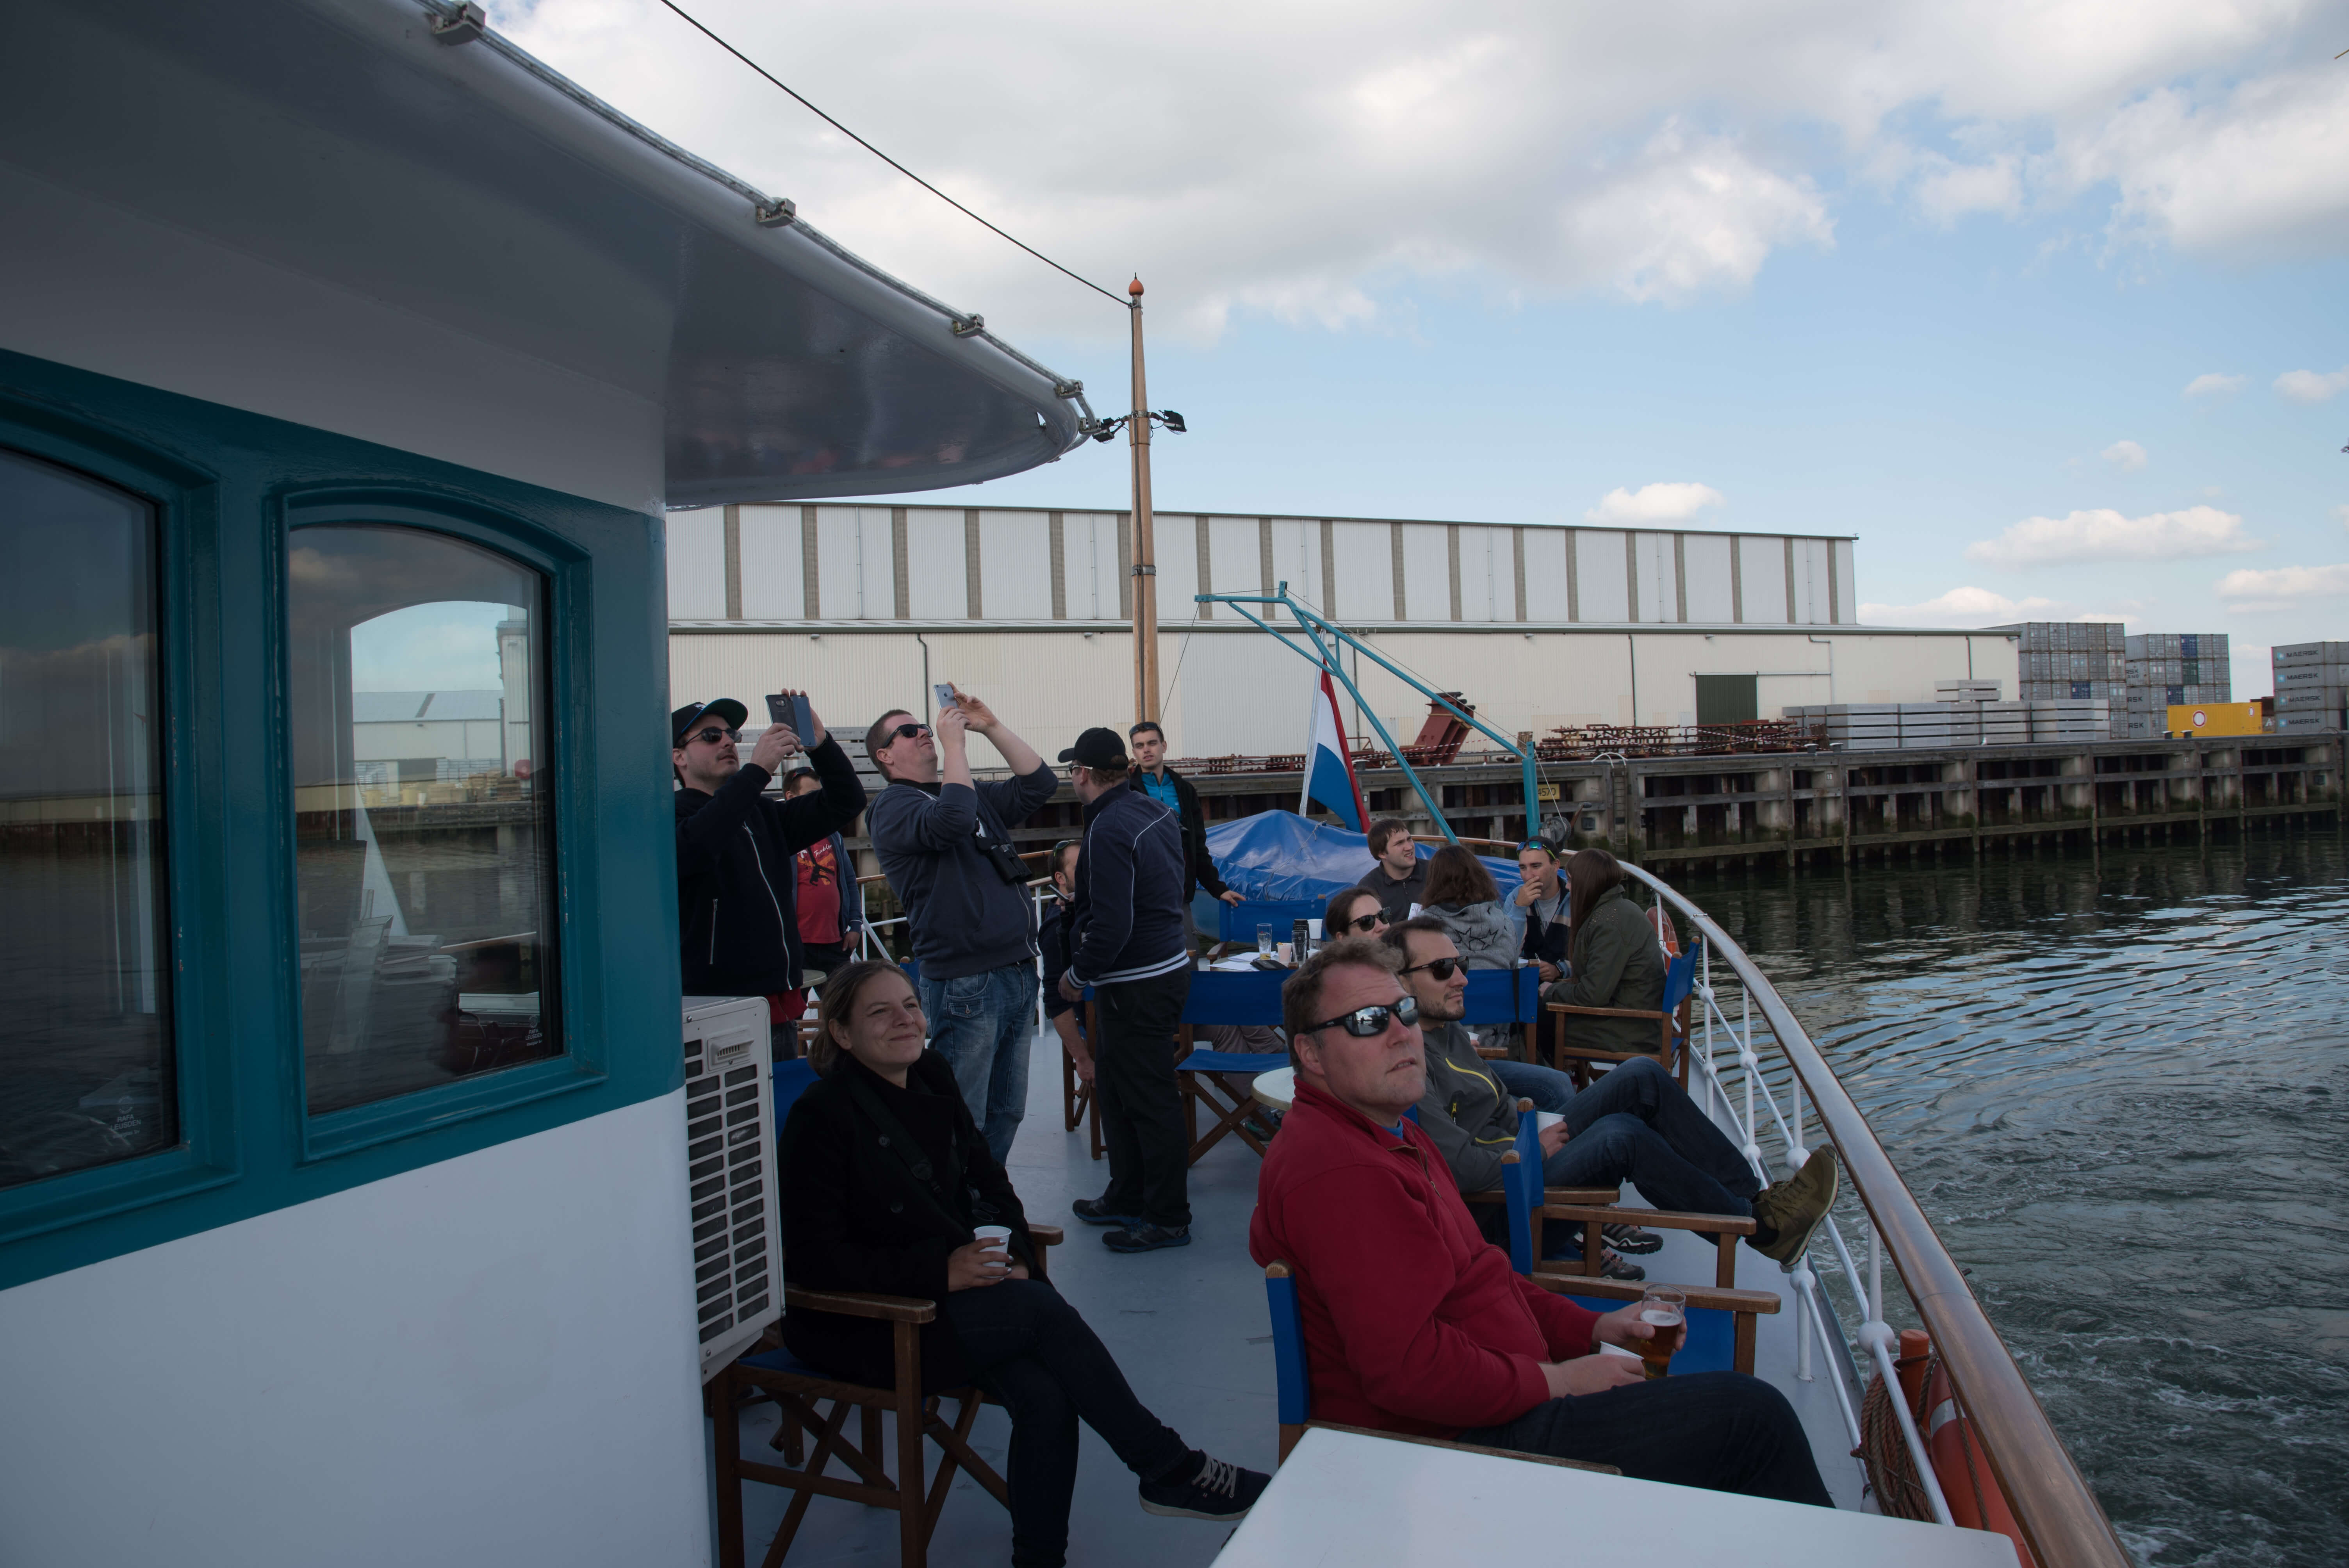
x=2213 y=384
x=2105 y=534
x=2125 y=456
x=1272 y=160
x=2310 y=387
x=1966 y=607
x=2283 y=587
x=1653 y=503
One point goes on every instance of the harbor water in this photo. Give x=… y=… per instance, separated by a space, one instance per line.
x=2118 y=1081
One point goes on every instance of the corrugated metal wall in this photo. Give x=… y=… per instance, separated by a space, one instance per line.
x=1027 y=564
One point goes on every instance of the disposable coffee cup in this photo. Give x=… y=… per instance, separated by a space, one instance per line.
x=1546 y=1120
x=995 y=1236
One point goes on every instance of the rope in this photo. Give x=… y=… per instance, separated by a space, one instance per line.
x=892 y=163
x=1891 y=1469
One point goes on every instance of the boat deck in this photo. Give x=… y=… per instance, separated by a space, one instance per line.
x=1189 y=1326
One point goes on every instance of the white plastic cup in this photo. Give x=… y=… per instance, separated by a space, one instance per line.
x=1546 y=1120
x=994 y=1236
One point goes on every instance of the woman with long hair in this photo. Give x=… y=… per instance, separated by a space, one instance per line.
x=884 y=1178
x=1462 y=895
x=1615 y=960
x=1353 y=912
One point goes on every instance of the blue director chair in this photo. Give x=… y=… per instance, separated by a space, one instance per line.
x=1218 y=1079
x=1722 y=1320
x=1293 y=1386
x=1671 y=1023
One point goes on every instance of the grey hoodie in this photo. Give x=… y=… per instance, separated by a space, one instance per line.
x=1487 y=938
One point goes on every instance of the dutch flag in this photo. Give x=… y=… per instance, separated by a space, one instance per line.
x=1328 y=765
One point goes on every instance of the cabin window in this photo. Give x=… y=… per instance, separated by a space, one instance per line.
x=86 y=1069
x=423 y=818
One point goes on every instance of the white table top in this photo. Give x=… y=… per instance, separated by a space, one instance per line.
x=1343 y=1501
x=1275 y=1089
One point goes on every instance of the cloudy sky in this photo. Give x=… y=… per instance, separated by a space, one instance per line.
x=2042 y=301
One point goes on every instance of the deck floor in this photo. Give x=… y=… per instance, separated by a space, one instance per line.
x=1189 y=1327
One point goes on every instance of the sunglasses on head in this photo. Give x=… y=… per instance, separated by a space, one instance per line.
x=712 y=736
x=1364 y=923
x=909 y=731
x=1369 y=1023
x=1441 y=968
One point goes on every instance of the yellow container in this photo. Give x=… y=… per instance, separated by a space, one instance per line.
x=2221 y=718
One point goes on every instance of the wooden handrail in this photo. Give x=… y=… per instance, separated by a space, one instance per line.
x=2059 y=1516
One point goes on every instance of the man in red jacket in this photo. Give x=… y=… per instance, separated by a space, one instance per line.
x=1415 y=1323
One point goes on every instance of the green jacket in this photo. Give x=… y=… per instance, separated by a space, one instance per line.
x=1617 y=963
x=1470 y=1118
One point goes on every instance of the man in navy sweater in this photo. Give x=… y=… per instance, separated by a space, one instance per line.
x=1126 y=942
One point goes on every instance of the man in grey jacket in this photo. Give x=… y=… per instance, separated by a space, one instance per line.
x=944 y=844
x=1635 y=1124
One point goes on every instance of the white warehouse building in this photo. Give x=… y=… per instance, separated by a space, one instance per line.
x=1538 y=625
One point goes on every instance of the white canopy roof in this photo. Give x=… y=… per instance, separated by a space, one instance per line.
x=455 y=176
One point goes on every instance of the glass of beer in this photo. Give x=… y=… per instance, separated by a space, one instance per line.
x=1665 y=1310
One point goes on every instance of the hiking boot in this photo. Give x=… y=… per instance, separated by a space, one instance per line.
x=1787 y=1213
x=1139 y=1237
x=1097 y=1211
x=1632 y=1240
x=1212 y=1491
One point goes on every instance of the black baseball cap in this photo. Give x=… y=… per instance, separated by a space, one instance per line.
x=1096 y=748
x=725 y=709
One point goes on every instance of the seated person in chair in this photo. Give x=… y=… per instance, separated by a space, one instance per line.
x=885 y=1176
x=1614 y=960
x=1635 y=1124
x=1413 y=1322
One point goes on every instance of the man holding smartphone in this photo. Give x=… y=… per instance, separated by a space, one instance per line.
x=944 y=844
x=736 y=890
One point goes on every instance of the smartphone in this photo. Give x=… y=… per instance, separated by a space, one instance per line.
x=794 y=711
x=944 y=691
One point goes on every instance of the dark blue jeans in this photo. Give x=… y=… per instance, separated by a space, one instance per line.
x=1030 y=1349
x=1636 y=1124
x=982 y=1025
x=1721 y=1430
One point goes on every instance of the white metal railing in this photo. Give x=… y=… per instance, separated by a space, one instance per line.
x=1815 y=1307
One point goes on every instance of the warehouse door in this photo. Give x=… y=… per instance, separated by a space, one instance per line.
x=1726 y=700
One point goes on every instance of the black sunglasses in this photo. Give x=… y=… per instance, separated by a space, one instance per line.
x=908 y=731
x=1363 y=923
x=1441 y=968
x=712 y=736
x=1367 y=1023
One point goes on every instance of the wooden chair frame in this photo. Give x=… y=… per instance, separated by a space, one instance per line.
x=1672 y=1029
x=1745 y=1306
x=1077 y=1105
x=1231 y=1108
x=798 y=1395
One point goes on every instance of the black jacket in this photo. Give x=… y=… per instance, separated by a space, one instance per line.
x=963 y=918
x=1198 y=866
x=1052 y=940
x=855 y=1217
x=736 y=891
x=1545 y=941
x=1126 y=921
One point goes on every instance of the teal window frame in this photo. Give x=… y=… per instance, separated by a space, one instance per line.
x=230 y=488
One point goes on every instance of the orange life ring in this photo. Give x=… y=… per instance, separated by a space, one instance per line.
x=1664 y=932
x=1958 y=1463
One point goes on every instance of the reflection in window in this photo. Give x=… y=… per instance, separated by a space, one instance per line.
x=84 y=1003
x=423 y=833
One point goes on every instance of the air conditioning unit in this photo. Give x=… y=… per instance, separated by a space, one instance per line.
x=729 y=1130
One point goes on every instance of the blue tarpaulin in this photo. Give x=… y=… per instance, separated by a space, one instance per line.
x=1279 y=857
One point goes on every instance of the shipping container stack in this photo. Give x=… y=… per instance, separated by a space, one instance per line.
x=2072 y=661
x=1971 y=715
x=2169 y=668
x=2311 y=685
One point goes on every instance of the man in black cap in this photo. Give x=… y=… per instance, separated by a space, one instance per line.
x=1126 y=942
x=736 y=893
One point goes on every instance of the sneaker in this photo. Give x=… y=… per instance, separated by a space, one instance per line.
x=1611 y=1266
x=1096 y=1211
x=1787 y=1213
x=1632 y=1240
x=1215 y=1490
x=1139 y=1237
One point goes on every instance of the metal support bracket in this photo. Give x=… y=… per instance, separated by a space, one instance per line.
x=780 y=213
x=969 y=325
x=463 y=24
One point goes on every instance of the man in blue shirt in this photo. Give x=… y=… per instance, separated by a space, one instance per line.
x=1174 y=791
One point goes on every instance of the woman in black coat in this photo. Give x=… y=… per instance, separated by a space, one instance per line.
x=884 y=1178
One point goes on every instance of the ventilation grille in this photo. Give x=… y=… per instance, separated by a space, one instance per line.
x=730 y=1154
